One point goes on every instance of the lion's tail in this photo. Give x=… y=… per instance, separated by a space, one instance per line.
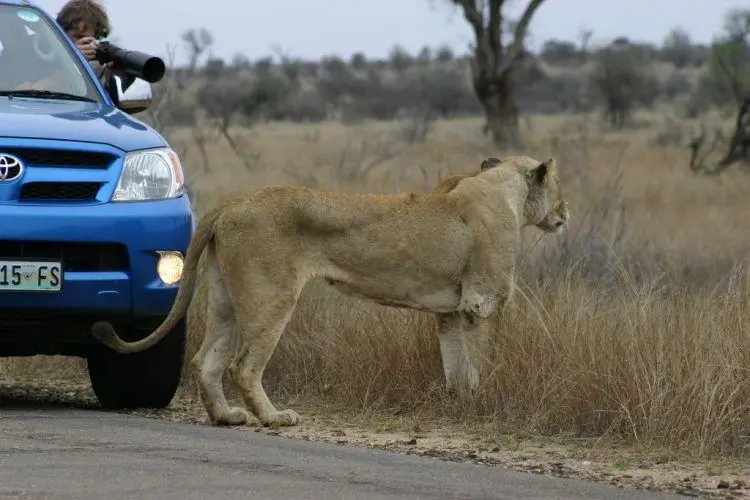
x=105 y=332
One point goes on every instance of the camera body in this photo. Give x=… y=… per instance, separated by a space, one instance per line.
x=131 y=62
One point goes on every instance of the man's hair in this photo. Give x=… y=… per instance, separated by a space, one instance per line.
x=89 y=11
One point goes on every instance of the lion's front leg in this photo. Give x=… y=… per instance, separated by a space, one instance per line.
x=460 y=373
x=488 y=282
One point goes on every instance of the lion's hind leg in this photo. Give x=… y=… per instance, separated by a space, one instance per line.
x=266 y=308
x=219 y=341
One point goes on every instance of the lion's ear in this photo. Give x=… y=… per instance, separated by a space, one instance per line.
x=490 y=162
x=542 y=171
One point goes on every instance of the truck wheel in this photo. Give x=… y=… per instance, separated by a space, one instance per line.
x=147 y=379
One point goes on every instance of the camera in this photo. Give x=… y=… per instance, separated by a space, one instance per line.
x=132 y=62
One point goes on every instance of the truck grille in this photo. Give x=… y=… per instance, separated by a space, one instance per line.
x=61 y=157
x=78 y=191
x=75 y=256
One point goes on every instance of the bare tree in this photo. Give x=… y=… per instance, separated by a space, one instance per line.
x=584 y=40
x=738 y=149
x=730 y=64
x=678 y=48
x=623 y=79
x=493 y=63
x=197 y=41
x=164 y=96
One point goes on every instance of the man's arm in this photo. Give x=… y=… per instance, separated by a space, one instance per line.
x=51 y=82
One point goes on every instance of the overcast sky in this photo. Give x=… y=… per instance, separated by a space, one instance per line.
x=311 y=28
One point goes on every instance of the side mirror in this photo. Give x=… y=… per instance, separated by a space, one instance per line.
x=136 y=98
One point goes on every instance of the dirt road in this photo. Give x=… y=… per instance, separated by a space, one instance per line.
x=82 y=454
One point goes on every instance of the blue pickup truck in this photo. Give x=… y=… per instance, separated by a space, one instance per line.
x=94 y=218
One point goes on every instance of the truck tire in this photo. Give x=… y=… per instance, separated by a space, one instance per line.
x=147 y=379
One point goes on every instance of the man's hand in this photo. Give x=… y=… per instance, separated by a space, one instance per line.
x=87 y=48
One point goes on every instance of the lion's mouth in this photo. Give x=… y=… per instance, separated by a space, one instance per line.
x=555 y=227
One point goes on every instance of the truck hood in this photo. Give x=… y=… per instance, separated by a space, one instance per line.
x=31 y=118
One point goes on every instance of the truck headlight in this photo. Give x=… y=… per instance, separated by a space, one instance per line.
x=153 y=174
x=169 y=267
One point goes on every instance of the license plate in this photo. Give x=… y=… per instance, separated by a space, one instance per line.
x=25 y=276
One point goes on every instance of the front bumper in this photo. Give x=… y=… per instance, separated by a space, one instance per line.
x=141 y=228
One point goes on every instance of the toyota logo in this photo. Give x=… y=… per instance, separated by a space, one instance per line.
x=10 y=168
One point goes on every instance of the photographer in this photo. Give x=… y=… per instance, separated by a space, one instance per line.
x=87 y=25
x=85 y=22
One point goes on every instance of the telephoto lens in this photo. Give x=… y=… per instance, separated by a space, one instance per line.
x=140 y=64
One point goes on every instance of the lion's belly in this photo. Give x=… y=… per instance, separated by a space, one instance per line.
x=441 y=299
x=418 y=266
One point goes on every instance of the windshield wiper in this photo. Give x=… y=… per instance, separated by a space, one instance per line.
x=44 y=94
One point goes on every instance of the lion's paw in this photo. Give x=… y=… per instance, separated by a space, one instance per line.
x=284 y=418
x=235 y=416
x=463 y=386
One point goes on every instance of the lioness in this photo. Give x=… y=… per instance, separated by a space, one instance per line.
x=451 y=251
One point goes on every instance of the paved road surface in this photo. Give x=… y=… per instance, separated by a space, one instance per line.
x=80 y=454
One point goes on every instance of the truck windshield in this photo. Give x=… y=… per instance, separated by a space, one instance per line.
x=35 y=58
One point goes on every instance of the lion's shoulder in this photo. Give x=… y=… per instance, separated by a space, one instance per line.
x=449 y=183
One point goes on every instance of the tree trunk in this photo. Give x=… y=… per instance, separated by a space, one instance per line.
x=501 y=113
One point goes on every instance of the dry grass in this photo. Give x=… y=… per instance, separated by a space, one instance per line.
x=633 y=325
x=666 y=370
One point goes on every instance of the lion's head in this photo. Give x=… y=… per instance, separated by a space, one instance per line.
x=545 y=206
x=556 y=219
